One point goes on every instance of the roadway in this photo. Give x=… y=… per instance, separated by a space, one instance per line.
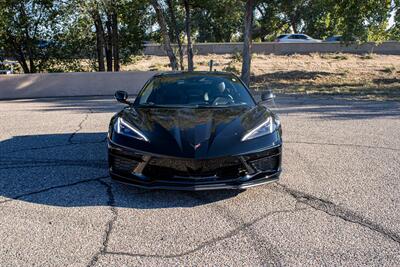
x=337 y=202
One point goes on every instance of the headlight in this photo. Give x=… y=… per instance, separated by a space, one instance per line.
x=267 y=127
x=124 y=128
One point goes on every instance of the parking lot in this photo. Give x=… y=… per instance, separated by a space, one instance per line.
x=337 y=202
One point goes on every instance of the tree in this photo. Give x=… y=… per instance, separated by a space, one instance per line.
x=216 y=21
x=25 y=28
x=293 y=11
x=119 y=27
x=164 y=33
x=175 y=31
x=269 y=22
x=364 y=20
x=247 y=40
x=134 y=20
x=100 y=36
x=395 y=28
x=188 y=35
x=104 y=15
x=113 y=15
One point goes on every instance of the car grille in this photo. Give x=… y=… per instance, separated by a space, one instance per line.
x=161 y=168
x=193 y=171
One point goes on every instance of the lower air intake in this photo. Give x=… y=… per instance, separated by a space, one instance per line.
x=123 y=164
x=266 y=164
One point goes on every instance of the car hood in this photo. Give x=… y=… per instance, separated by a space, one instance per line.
x=196 y=132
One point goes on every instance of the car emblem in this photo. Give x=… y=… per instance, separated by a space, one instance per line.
x=196 y=146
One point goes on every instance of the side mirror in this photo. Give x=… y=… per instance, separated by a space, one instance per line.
x=122 y=96
x=267 y=96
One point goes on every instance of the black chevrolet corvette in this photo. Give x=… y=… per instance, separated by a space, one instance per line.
x=194 y=131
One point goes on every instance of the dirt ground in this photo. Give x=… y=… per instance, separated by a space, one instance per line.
x=367 y=76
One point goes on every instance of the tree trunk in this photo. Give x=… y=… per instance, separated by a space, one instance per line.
x=294 y=25
x=24 y=66
x=31 y=63
x=19 y=45
x=248 y=22
x=109 y=46
x=17 y=51
x=99 y=40
x=22 y=60
x=115 y=41
x=189 y=40
x=294 y=20
x=27 y=43
x=176 y=32
x=164 y=34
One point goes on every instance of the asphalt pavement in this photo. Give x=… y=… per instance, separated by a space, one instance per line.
x=337 y=202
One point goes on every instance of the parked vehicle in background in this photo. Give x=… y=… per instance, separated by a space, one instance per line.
x=7 y=67
x=339 y=38
x=334 y=38
x=296 y=38
x=5 y=72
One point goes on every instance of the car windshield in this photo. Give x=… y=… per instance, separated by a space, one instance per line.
x=194 y=90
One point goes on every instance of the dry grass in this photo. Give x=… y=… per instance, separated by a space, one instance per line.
x=357 y=76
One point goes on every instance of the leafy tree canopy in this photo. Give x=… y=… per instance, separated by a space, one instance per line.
x=55 y=35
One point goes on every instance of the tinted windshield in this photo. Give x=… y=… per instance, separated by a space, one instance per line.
x=194 y=90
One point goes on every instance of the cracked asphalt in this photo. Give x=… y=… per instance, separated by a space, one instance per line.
x=337 y=202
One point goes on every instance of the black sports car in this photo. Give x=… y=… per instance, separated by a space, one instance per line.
x=194 y=131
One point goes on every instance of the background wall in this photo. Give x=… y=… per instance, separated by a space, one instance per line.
x=392 y=48
x=71 y=84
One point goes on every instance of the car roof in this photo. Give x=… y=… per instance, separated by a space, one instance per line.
x=291 y=34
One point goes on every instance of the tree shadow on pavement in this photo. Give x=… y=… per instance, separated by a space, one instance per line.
x=58 y=170
x=96 y=104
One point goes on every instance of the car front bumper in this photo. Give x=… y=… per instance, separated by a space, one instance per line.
x=150 y=171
